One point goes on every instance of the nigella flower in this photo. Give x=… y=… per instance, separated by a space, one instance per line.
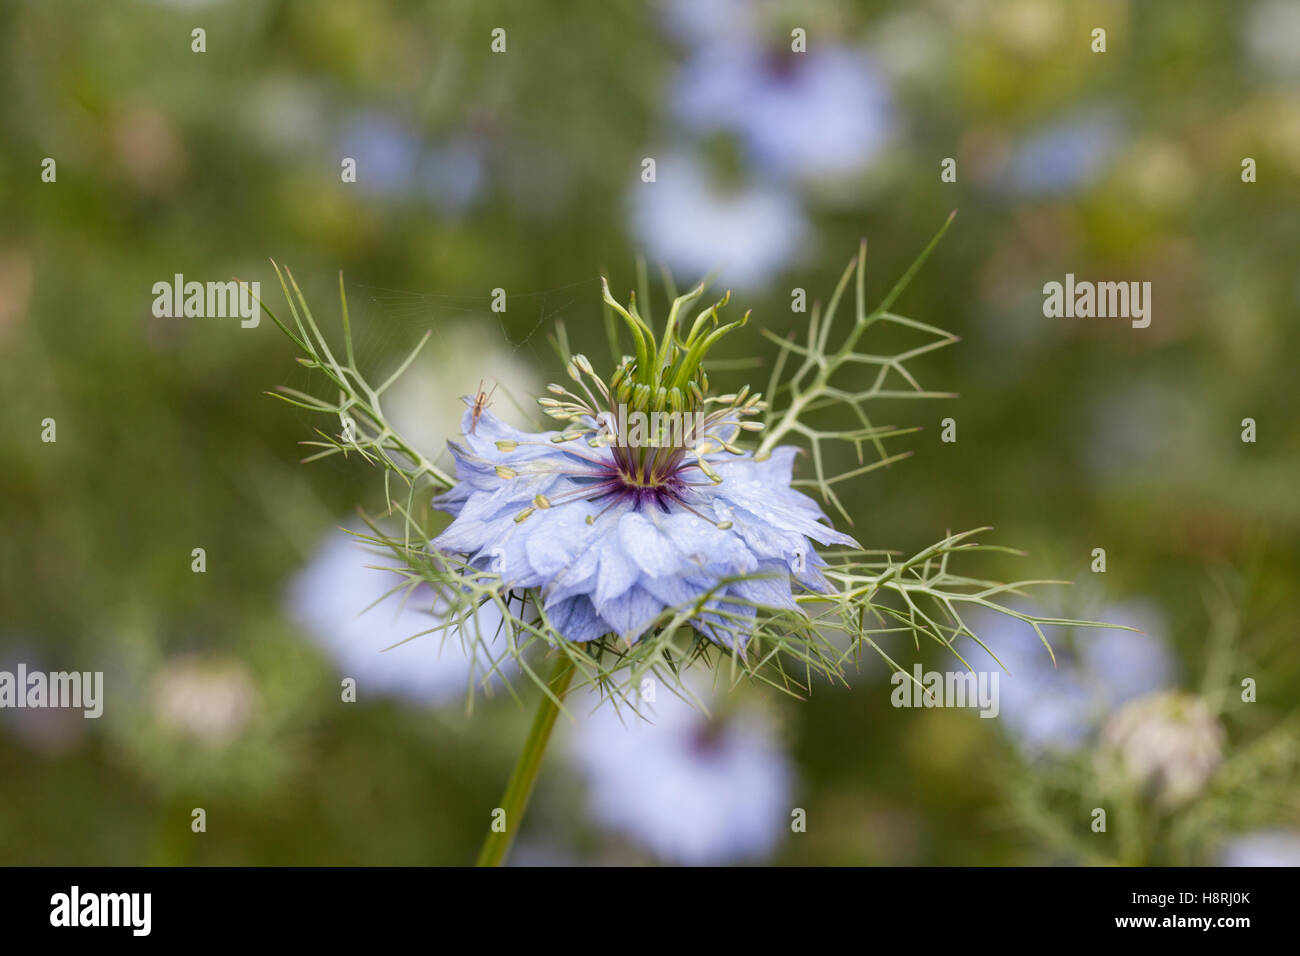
x=640 y=539
x=643 y=507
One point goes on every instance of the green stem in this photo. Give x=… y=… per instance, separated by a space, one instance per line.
x=520 y=788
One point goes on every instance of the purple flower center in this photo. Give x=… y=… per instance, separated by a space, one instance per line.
x=639 y=477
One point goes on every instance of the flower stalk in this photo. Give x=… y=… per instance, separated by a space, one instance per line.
x=520 y=786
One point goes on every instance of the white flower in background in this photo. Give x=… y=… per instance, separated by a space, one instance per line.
x=689 y=789
x=694 y=225
x=425 y=405
x=1066 y=155
x=911 y=45
x=1262 y=848
x=824 y=114
x=1272 y=37
x=1058 y=709
x=327 y=599
x=287 y=114
x=207 y=700
x=1168 y=744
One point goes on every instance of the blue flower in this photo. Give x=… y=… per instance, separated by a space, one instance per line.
x=821 y=115
x=1262 y=848
x=692 y=789
x=330 y=598
x=695 y=224
x=1067 y=155
x=612 y=537
x=1056 y=707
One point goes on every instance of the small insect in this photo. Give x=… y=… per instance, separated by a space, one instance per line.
x=482 y=401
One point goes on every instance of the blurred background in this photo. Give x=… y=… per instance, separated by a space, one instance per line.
x=522 y=170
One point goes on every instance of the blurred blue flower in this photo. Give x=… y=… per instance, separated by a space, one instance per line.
x=826 y=112
x=704 y=22
x=394 y=161
x=327 y=599
x=821 y=114
x=1065 y=155
x=694 y=225
x=1262 y=848
x=452 y=175
x=688 y=788
x=1118 y=666
x=386 y=153
x=1048 y=709
x=610 y=555
x=46 y=730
